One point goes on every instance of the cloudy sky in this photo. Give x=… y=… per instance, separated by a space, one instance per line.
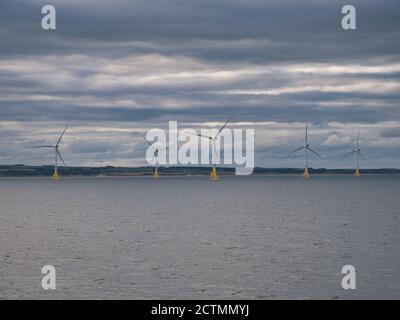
x=115 y=69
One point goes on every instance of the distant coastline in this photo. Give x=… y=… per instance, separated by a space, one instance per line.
x=110 y=171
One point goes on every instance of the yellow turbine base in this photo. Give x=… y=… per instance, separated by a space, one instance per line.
x=357 y=173
x=214 y=174
x=306 y=174
x=56 y=176
x=156 y=174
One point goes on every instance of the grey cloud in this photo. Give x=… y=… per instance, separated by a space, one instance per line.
x=170 y=27
x=391 y=133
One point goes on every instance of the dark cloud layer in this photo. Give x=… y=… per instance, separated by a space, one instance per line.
x=225 y=30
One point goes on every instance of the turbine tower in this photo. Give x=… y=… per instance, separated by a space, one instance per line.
x=214 y=175
x=57 y=154
x=306 y=148
x=358 y=154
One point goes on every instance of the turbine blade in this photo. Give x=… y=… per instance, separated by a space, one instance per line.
x=147 y=141
x=294 y=151
x=306 y=139
x=316 y=153
x=59 y=140
x=348 y=154
x=358 y=138
x=199 y=135
x=361 y=155
x=223 y=127
x=42 y=146
x=61 y=158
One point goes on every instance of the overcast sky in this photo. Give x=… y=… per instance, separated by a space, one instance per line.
x=115 y=69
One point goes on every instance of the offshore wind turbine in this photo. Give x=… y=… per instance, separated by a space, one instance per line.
x=306 y=148
x=155 y=156
x=57 y=154
x=214 y=175
x=358 y=154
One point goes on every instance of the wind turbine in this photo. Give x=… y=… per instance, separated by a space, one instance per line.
x=358 y=154
x=155 y=156
x=306 y=148
x=57 y=154
x=214 y=175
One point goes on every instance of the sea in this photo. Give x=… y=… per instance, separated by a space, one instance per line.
x=253 y=237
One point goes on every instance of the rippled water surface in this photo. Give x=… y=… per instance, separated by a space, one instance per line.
x=184 y=237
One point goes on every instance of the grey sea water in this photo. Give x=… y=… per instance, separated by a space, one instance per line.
x=184 y=237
